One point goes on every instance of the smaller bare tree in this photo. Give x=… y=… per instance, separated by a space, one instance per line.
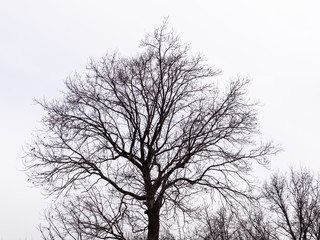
x=217 y=227
x=254 y=223
x=89 y=215
x=295 y=201
x=288 y=208
x=236 y=223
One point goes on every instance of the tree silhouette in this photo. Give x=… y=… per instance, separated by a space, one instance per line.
x=288 y=208
x=295 y=202
x=137 y=142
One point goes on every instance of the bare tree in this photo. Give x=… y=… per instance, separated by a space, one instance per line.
x=295 y=200
x=220 y=226
x=137 y=142
x=90 y=215
x=244 y=222
x=254 y=223
x=288 y=208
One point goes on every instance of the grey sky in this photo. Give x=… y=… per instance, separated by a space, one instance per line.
x=274 y=43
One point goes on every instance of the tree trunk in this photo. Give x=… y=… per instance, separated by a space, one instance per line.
x=153 y=222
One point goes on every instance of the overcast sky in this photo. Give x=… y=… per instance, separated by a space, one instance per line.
x=276 y=43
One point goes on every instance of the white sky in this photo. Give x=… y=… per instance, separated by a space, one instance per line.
x=274 y=42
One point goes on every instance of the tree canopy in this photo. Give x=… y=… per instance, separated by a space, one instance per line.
x=136 y=143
